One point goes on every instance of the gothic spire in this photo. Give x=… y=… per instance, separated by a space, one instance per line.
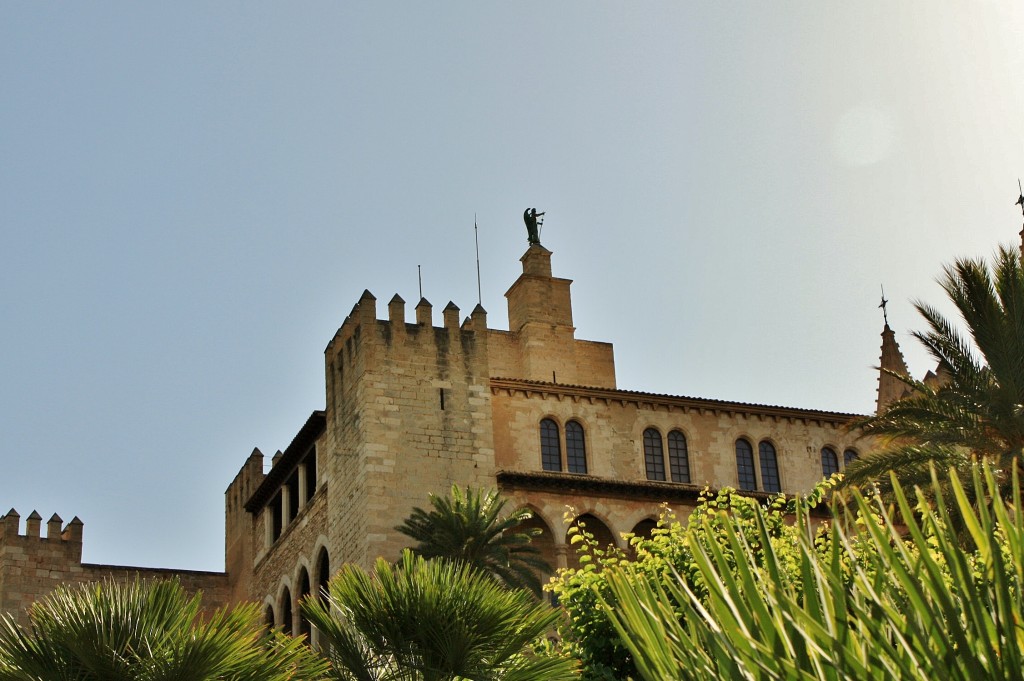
x=890 y=362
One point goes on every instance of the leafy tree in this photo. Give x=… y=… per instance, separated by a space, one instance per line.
x=433 y=620
x=468 y=527
x=909 y=603
x=977 y=409
x=146 y=631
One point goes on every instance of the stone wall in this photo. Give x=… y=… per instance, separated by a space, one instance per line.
x=614 y=422
x=32 y=565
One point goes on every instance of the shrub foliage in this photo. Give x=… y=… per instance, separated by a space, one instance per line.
x=741 y=594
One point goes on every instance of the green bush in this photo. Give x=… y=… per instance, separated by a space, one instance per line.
x=588 y=632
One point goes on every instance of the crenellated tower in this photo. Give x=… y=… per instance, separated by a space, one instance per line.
x=408 y=413
x=32 y=565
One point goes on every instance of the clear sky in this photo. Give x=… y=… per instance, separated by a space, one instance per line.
x=194 y=195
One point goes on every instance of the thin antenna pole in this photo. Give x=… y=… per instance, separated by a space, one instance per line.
x=419 y=275
x=476 y=235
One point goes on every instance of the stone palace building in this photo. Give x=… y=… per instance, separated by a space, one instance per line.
x=412 y=408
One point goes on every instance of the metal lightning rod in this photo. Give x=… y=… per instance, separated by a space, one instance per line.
x=476 y=235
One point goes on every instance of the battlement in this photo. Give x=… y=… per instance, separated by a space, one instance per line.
x=536 y=298
x=540 y=344
x=10 y=528
x=347 y=339
x=32 y=565
x=365 y=343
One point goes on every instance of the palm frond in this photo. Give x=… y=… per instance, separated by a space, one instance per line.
x=146 y=631
x=978 y=409
x=431 y=619
x=468 y=526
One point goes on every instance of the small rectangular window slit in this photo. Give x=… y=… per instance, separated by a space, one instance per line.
x=441 y=391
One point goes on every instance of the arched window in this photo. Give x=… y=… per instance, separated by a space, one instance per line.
x=286 y=612
x=575 y=448
x=849 y=456
x=829 y=462
x=745 y=466
x=678 y=457
x=769 y=467
x=654 y=458
x=550 y=449
x=304 y=627
x=323 y=575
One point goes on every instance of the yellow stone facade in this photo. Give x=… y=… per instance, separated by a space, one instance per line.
x=412 y=408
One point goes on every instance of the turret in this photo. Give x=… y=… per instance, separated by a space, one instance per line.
x=53 y=527
x=424 y=313
x=536 y=297
x=33 y=524
x=890 y=388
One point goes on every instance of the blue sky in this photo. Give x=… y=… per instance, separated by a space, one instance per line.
x=193 y=196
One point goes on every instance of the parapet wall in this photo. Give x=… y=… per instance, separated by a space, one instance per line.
x=32 y=565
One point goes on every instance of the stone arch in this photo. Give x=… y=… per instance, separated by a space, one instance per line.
x=287 y=612
x=551 y=416
x=595 y=526
x=544 y=542
x=644 y=529
x=268 y=614
x=322 y=571
x=302 y=593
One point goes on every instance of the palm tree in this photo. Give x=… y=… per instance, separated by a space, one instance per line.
x=977 y=409
x=146 y=631
x=468 y=527
x=432 y=620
